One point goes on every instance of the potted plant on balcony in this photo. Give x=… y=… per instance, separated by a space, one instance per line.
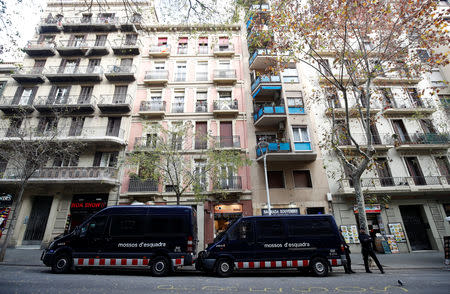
x=396 y=140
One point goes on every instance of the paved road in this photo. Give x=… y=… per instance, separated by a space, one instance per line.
x=34 y=279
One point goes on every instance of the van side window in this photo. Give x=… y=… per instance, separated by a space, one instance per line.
x=128 y=225
x=296 y=228
x=243 y=231
x=269 y=229
x=322 y=227
x=167 y=225
x=96 y=226
x=319 y=227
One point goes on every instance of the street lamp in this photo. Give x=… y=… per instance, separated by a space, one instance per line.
x=261 y=145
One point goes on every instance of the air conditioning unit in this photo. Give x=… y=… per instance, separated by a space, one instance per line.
x=281 y=126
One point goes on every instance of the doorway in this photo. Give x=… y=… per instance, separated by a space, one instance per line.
x=416 y=226
x=37 y=222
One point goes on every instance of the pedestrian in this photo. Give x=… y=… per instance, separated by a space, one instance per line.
x=348 y=264
x=367 y=249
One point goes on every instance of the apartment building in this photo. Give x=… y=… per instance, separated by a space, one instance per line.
x=82 y=65
x=193 y=74
x=282 y=137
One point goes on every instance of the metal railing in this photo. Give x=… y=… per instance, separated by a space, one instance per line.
x=138 y=185
x=64 y=133
x=124 y=42
x=11 y=100
x=201 y=106
x=180 y=77
x=260 y=52
x=159 y=49
x=224 y=74
x=50 y=20
x=40 y=45
x=268 y=110
x=265 y=79
x=121 y=69
x=67 y=173
x=64 y=100
x=153 y=106
x=405 y=182
x=423 y=138
x=398 y=103
x=201 y=76
x=361 y=139
x=157 y=75
x=77 y=70
x=225 y=104
x=227 y=141
x=144 y=143
x=224 y=48
x=86 y=20
x=229 y=183
x=274 y=147
x=177 y=107
x=115 y=99
x=29 y=70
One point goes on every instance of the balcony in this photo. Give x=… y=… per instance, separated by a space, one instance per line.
x=74 y=74
x=50 y=24
x=266 y=86
x=156 y=77
x=66 y=175
x=380 y=142
x=121 y=73
x=354 y=108
x=262 y=59
x=29 y=75
x=74 y=47
x=74 y=104
x=152 y=108
x=11 y=105
x=131 y=23
x=281 y=151
x=266 y=116
x=89 y=23
x=397 y=185
x=225 y=76
x=126 y=47
x=159 y=51
x=98 y=48
x=223 y=51
x=226 y=142
x=229 y=184
x=144 y=144
x=138 y=185
x=40 y=49
x=406 y=107
x=225 y=108
x=116 y=103
x=421 y=141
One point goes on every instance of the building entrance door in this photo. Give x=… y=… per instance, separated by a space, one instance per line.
x=415 y=226
x=37 y=221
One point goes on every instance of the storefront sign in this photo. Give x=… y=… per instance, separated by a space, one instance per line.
x=376 y=208
x=88 y=205
x=281 y=211
x=6 y=199
x=228 y=208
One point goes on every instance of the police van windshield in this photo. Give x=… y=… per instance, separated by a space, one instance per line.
x=221 y=234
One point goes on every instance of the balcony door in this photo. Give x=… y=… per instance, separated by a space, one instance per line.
x=85 y=95
x=38 y=66
x=100 y=40
x=105 y=159
x=443 y=166
x=24 y=96
x=58 y=95
x=130 y=39
x=400 y=131
x=225 y=100
x=113 y=128
x=93 y=66
x=125 y=64
x=227 y=178
x=415 y=171
x=120 y=94
x=376 y=139
x=201 y=135
x=76 y=126
x=384 y=172
x=69 y=66
x=226 y=134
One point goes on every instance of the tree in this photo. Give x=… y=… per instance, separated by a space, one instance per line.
x=27 y=149
x=182 y=159
x=371 y=42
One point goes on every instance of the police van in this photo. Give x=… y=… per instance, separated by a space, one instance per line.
x=160 y=238
x=306 y=242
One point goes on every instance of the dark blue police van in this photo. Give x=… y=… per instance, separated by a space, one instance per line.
x=310 y=242
x=160 y=238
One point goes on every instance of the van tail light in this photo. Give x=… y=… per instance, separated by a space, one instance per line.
x=189 y=244
x=342 y=248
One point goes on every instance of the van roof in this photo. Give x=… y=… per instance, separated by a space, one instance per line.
x=290 y=216
x=145 y=209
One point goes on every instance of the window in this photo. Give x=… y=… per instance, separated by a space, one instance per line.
x=85 y=94
x=415 y=171
x=388 y=97
x=25 y=96
x=427 y=126
x=68 y=66
x=301 y=138
x=384 y=172
x=224 y=43
x=183 y=45
x=47 y=40
x=443 y=166
x=128 y=225
x=93 y=66
x=324 y=67
x=243 y=231
x=178 y=102
x=201 y=132
x=96 y=226
x=400 y=131
x=58 y=95
x=170 y=188
x=100 y=40
x=414 y=97
x=275 y=179
x=86 y=18
x=47 y=125
x=200 y=175
x=162 y=41
x=120 y=94
x=269 y=229
x=113 y=127
x=160 y=65
x=67 y=161
x=180 y=73
x=2 y=87
x=290 y=75
x=151 y=140
x=14 y=127
x=423 y=54
x=203 y=45
x=177 y=139
x=156 y=103
x=202 y=71
x=333 y=98
x=295 y=101
x=302 y=179
x=225 y=102
x=77 y=41
x=202 y=102
x=131 y=39
x=106 y=159
x=76 y=126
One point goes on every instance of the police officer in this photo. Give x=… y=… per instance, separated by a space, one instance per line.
x=348 y=264
x=367 y=249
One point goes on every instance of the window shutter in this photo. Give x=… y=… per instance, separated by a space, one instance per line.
x=33 y=95
x=17 y=96
x=97 y=158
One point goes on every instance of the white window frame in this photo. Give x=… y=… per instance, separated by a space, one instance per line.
x=303 y=139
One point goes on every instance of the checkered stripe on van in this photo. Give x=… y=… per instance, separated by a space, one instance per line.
x=119 y=262
x=279 y=263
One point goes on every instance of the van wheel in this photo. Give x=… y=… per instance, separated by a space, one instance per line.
x=160 y=266
x=319 y=267
x=224 y=268
x=61 y=264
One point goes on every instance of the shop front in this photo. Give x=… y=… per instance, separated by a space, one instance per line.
x=5 y=208
x=82 y=207
x=224 y=214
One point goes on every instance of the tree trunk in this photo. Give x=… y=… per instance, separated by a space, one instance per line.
x=359 y=197
x=12 y=224
x=178 y=198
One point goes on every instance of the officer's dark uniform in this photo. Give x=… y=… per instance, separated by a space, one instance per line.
x=348 y=265
x=366 y=250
